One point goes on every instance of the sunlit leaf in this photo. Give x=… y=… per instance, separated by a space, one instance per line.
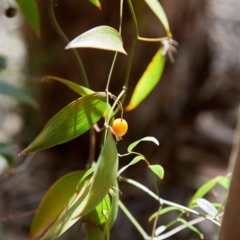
x=16 y=93
x=134 y=144
x=163 y=211
x=134 y=161
x=204 y=189
x=29 y=9
x=83 y=91
x=191 y=227
x=148 y=80
x=159 y=12
x=91 y=194
x=102 y=37
x=105 y=174
x=72 y=121
x=96 y=3
x=96 y=220
x=206 y=206
x=88 y=173
x=54 y=202
x=158 y=170
x=115 y=198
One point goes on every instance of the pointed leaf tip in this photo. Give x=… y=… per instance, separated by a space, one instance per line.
x=96 y=3
x=30 y=10
x=158 y=170
x=148 y=80
x=158 y=10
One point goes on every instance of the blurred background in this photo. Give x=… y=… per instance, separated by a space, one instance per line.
x=192 y=112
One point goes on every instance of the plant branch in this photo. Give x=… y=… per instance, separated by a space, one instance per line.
x=163 y=236
x=178 y=229
x=134 y=42
x=133 y=220
x=152 y=39
x=162 y=201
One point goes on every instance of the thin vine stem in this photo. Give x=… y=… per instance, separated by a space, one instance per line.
x=116 y=54
x=66 y=41
x=130 y=60
x=152 y=39
x=107 y=120
x=131 y=54
x=162 y=236
x=110 y=72
x=133 y=220
x=178 y=229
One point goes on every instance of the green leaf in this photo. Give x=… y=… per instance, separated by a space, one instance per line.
x=96 y=3
x=72 y=121
x=98 y=222
x=29 y=9
x=134 y=161
x=161 y=15
x=158 y=170
x=102 y=37
x=115 y=198
x=204 y=189
x=88 y=173
x=83 y=91
x=91 y=194
x=148 y=80
x=134 y=144
x=163 y=211
x=16 y=93
x=54 y=202
x=105 y=174
x=207 y=207
x=191 y=227
x=6 y=153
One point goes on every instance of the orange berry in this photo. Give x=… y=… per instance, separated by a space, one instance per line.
x=119 y=127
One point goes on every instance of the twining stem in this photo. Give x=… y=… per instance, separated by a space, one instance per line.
x=115 y=56
x=66 y=41
x=110 y=72
x=131 y=54
x=155 y=222
x=134 y=42
x=116 y=102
